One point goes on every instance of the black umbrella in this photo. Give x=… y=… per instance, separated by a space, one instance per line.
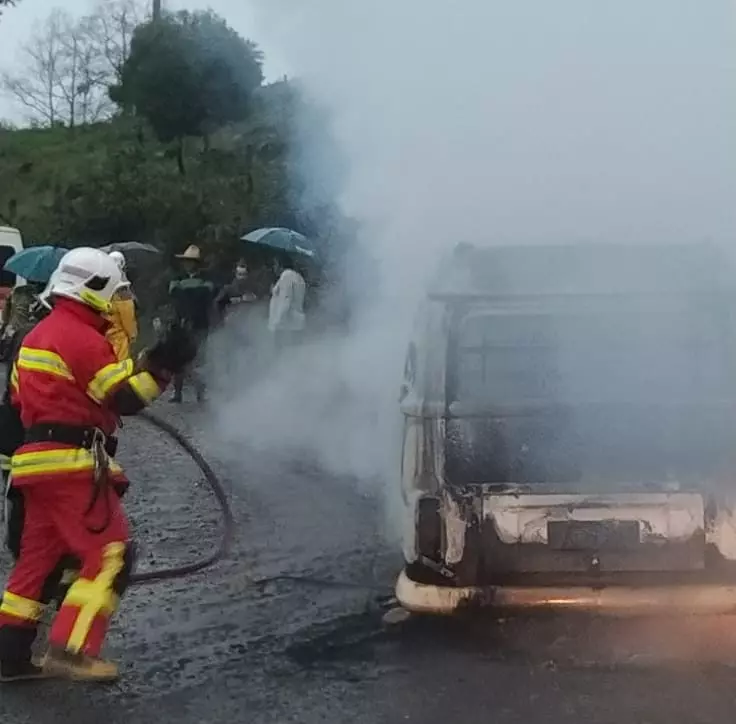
x=128 y=246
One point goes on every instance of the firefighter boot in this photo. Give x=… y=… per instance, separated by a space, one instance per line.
x=79 y=667
x=16 y=663
x=178 y=388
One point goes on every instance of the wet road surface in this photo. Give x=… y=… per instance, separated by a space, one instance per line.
x=221 y=647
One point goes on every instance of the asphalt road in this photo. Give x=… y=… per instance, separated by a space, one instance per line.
x=219 y=647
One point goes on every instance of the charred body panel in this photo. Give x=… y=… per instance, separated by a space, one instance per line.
x=592 y=536
x=596 y=447
x=594 y=390
x=476 y=536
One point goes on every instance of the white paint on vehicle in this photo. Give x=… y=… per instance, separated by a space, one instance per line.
x=721 y=532
x=664 y=517
x=617 y=601
x=409 y=526
x=455 y=527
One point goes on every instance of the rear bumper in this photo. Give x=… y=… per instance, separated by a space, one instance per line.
x=701 y=599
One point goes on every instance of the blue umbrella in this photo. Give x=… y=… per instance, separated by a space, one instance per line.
x=37 y=263
x=283 y=239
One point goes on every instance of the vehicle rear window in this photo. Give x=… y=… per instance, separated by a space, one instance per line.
x=7 y=279
x=645 y=352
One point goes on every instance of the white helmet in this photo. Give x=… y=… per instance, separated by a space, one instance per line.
x=119 y=259
x=88 y=276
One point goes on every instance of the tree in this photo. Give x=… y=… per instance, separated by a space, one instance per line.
x=63 y=79
x=111 y=25
x=5 y=4
x=188 y=74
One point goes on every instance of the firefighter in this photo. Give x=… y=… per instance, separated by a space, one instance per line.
x=70 y=391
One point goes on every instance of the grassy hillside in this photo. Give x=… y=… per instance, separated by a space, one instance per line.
x=115 y=181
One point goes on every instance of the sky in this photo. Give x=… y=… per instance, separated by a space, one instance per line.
x=578 y=119
x=17 y=24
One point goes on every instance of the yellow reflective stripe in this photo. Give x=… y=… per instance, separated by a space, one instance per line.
x=14 y=377
x=95 y=301
x=4 y=462
x=94 y=597
x=41 y=360
x=19 y=607
x=56 y=461
x=49 y=461
x=109 y=377
x=83 y=590
x=145 y=387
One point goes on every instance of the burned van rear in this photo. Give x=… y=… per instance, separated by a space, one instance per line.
x=570 y=415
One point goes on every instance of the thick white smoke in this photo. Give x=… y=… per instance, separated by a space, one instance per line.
x=489 y=121
x=514 y=121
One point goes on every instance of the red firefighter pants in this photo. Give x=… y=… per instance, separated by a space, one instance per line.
x=57 y=523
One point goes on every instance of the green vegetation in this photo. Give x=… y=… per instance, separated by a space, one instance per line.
x=159 y=131
x=188 y=74
x=115 y=180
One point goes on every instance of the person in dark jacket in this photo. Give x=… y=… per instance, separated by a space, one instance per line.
x=18 y=314
x=236 y=297
x=193 y=299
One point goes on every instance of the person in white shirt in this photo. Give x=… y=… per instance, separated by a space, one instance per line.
x=286 y=318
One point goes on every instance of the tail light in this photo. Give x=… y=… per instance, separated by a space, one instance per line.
x=429 y=528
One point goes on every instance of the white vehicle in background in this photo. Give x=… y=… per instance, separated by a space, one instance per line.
x=570 y=432
x=10 y=243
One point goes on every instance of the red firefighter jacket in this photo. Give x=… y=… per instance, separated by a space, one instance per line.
x=67 y=373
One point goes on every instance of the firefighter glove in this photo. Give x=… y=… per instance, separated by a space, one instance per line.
x=173 y=352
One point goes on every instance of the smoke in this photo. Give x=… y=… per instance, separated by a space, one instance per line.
x=505 y=121
x=494 y=122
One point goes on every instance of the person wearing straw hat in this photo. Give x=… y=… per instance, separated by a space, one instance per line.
x=193 y=299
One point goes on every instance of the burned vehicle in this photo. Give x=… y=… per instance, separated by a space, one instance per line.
x=569 y=435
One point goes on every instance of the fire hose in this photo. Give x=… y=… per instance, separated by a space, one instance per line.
x=228 y=522
x=228 y=527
